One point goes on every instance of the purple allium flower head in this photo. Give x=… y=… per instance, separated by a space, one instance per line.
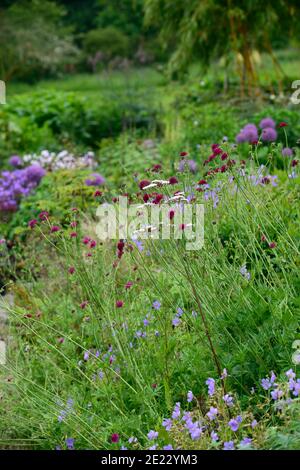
x=212 y=413
x=152 y=435
x=269 y=134
x=211 y=386
x=15 y=161
x=267 y=123
x=190 y=165
x=190 y=396
x=228 y=445
x=95 y=180
x=70 y=443
x=287 y=152
x=156 y=305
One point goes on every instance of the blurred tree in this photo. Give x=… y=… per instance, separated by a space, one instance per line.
x=206 y=29
x=33 y=40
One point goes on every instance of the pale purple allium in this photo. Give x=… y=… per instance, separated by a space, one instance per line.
x=245 y=442
x=15 y=161
x=176 y=321
x=156 y=305
x=190 y=396
x=228 y=399
x=211 y=386
x=248 y=134
x=212 y=413
x=167 y=424
x=70 y=443
x=168 y=447
x=189 y=165
x=228 y=445
x=177 y=411
x=287 y=152
x=152 y=435
x=269 y=134
x=214 y=436
x=267 y=123
x=234 y=424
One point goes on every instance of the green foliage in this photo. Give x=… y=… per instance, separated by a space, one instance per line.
x=34 y=43
x=110 y=42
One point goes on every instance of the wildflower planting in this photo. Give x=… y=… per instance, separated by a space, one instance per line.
x=149 y=254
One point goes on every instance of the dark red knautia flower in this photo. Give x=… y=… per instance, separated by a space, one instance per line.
x=54 y=228
x=173 y=180
x=294 y=163
x=171 y=214
x=115 y=438
x=272 y=245
x=98 y=193
x=143 y=184
x=119 y=303
x=32 y=223
x=71 y=270
x=43 y=215
x=282 y=124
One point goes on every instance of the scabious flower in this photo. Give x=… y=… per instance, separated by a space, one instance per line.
x=176 y=321
x=71 y=270
x=54 y=228
x=156 y=305
x=84 y=304
x=152 y=435
x=173 y=180
x=211 y=386
x=282 y=124
x=115 y=438
x=144 y=183
x=32 y=223
x=190 y=396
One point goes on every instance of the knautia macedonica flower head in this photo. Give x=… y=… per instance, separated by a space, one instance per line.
x=115 y=438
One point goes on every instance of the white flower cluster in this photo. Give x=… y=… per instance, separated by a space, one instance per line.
x=61 y=160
